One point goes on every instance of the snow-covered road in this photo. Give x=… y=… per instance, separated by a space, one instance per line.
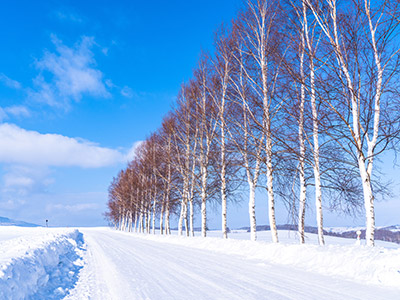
x=127 y=266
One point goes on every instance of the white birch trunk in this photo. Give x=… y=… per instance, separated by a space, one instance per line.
x=267 y=122
x=192 y=187
x=147 y=221
x=120 y=223
x=161 y=218
x=136 y=219
x=130 y=222
x=368 y=203
x=303 y=190
x=154 y=213
x=167 y=225
x=141 y=222
x=317 y=174
x=181 y=216
x=191 y=217
x=223 y=169
x=123 y=220
x=252 y=211
x=271 y=201
x=203 y=202
x=268 y=152
x=186 y=220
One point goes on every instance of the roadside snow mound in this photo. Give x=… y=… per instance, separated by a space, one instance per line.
x=377 y=265
x=40 y=266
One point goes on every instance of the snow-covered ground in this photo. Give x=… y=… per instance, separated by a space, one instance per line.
x=38 y=263
x=42 y=263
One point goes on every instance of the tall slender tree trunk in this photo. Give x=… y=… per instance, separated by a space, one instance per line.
x=147 y=221
x=185 y=218
x=141 y=222
x=317 y=173
x=191 y=217
x=181 y=216
x=203 y=202
x=161 y=218
x=252 y=211
x=268 y=149
x=167 y=225
x=136 y=219
x=271 y=201
x=302 y=152
x=130 y=222
x=223 y=172
x=154 y=212
x=368 y=203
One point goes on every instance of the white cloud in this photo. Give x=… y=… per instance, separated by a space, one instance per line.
x=132 y=151
x=29 y=166
x=24 y=180
x=16 y=111
x=105 y=51
x=3 y=114
x=10 y=82
x=23 y=147
x=10 y=180
x=127 y=92
x=68 y=74
x=109 y=83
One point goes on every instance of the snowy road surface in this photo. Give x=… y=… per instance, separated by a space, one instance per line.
x=129 y=266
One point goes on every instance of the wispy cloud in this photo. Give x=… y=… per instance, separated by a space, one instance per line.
x=67 y=74
x=127 y=92
x=68 y=16
x=24 y=147
x=72 y=207
x=11 y=83
x=24 y=180
x=15 y=111
x=18 y=110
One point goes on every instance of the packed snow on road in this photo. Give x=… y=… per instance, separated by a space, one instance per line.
x=101 y=263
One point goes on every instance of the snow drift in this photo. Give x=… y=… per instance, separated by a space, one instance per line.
x=41 y=265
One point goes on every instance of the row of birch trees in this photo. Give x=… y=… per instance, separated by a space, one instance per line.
x=298 y=99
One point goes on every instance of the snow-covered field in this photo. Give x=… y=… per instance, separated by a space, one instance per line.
x=100 y=263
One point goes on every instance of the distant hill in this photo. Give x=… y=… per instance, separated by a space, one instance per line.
x=9 y=222
x=388 y=234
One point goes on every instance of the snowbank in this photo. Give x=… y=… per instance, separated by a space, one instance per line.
x=376 y=265
x=42 y=264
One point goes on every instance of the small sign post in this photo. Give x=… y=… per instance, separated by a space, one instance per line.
x=358 y=237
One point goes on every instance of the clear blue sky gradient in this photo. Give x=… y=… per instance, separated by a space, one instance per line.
x=143 y=51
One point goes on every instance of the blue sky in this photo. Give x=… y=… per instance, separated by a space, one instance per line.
x=80 y=83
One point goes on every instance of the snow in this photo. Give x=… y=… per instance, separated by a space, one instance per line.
x=38 y=263
x=339 y=258
x=44 y=263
